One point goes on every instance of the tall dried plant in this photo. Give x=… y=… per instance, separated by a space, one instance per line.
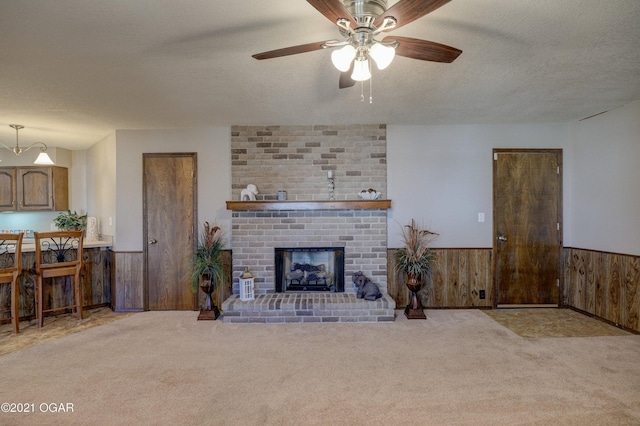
x=416 y=257
x=206 y=260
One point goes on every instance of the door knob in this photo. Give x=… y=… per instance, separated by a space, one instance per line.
x=152 y=241
x=502 y=238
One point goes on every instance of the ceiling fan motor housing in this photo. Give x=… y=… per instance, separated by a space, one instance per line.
x=365 y=11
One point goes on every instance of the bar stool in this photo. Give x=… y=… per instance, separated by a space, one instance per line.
x=58 y=254
x=10 y=270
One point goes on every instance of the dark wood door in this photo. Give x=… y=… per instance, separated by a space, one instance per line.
x=170 y=229
x=527 y=209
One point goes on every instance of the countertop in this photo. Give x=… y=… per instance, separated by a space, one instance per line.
x=28 y=245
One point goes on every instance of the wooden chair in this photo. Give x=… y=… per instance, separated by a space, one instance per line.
x=10 y=270
x=58 y=254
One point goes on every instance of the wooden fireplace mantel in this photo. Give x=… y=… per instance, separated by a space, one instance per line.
x=310 y=205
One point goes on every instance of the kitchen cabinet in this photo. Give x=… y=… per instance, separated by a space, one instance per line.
x=8 y=189
x=34 y=188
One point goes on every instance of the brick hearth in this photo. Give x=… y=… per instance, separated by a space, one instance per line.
x=307 y=307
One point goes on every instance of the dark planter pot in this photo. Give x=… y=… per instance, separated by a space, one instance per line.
x=414 y=308
x=210 y=311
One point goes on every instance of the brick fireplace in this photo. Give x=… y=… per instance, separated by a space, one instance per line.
x=297 y=159
x=361 y=233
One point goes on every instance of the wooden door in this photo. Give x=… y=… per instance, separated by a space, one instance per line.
x=527 y=210
x=169 y=229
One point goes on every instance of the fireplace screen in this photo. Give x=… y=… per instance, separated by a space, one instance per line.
x=309 y=269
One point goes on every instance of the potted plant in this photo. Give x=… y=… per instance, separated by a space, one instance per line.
x=208 y=267
x=70 y=221
x=416 y=260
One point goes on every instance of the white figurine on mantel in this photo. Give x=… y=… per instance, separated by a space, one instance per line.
x=249 y=193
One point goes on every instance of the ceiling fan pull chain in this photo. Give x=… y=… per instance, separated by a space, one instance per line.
x=362 y=92
x=371 y=90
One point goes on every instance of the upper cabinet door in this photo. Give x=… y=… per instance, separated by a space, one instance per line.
x=36 y=190
x=8 y=189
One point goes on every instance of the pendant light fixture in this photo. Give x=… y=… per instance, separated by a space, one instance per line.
x=43 y=157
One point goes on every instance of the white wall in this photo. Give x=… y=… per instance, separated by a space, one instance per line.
x=440 y=175
x=101 y=184
x=443 y=176
x=605 y=199
x=78 y=182
x=213 y=146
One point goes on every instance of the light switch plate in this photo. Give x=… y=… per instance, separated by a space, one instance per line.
x=481 y=217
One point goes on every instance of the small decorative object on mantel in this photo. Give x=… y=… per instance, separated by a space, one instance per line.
x=246 y=282
x=369 y=194
x=367 y=290
x=208 y=268
x=416 y=260
x=249 y=193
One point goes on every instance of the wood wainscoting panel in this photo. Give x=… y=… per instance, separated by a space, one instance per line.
x=127 y=281
x=458 y=276
x=604 y=285
x=575 y=279
x=96 y=277
x=631 y=307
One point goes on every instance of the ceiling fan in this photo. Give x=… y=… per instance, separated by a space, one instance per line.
x=360 y=23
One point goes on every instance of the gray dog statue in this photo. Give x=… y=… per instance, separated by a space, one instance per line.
x=367 y=290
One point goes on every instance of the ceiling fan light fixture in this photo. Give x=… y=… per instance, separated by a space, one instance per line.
x=382 y=55
x=361 y=70
x=342 y=57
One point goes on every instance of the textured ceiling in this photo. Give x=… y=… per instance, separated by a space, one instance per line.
x=72 y=71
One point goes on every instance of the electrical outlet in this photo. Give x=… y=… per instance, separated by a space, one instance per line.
x=483 y=295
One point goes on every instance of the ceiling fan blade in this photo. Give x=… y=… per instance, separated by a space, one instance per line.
x=293 y=50
x=424 y=50
x=406 y=11
x=333 y=10
x=345 y=79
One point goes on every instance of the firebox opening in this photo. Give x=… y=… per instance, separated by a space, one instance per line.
x=309 y=269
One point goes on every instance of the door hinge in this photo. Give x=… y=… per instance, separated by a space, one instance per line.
x=557 y=282
x=558 y=226
x=558 y=170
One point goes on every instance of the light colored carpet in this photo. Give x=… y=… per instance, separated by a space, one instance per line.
x=552 y=322
x=54 y=327
x=459 y=367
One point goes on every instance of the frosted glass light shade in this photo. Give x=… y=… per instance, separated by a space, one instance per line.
x=342 y=57
x=383 y=55
x=43 y=158
x=361 y=70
